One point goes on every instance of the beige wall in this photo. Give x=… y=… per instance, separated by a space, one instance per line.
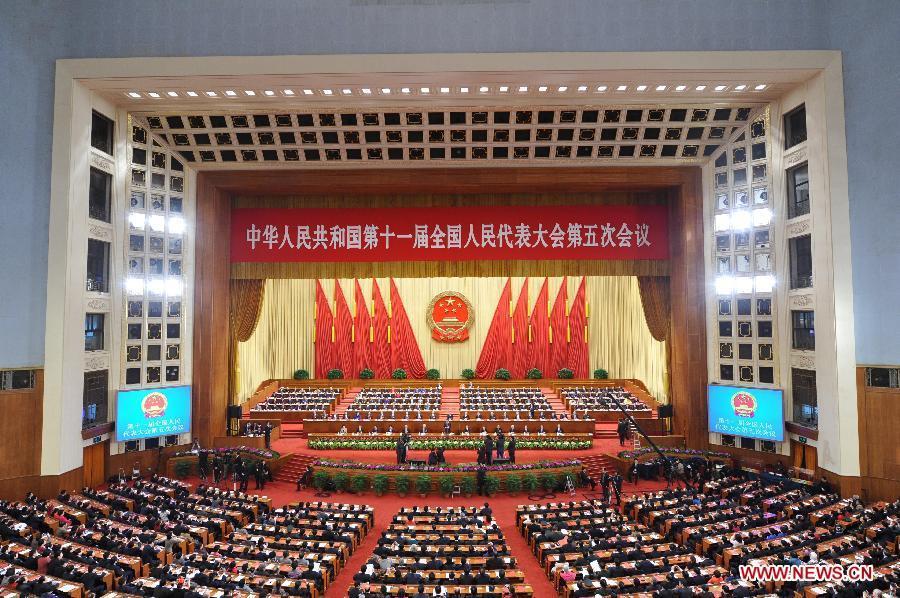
x=618 y=337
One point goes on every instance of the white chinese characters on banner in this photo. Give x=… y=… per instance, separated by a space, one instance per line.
x=450 y=236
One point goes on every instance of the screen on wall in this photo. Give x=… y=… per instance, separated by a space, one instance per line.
x=153 y=412
x=749 y=412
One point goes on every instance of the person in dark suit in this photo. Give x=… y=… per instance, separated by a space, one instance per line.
x=432 y=458
x=203 y=464
x=480 y=479
x=511 y=449
x=267 y=432
x=622 y=429
x=399 y=450
x=488 y=449
x=604 y=485
x=501 y=443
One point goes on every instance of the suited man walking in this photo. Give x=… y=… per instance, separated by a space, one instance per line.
x=501 y=442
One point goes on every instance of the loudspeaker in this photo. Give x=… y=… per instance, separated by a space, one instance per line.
x=234 y=412
x=665 y=411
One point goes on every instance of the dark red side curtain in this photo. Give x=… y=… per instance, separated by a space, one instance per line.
x=577 y=359
x=558 y=322
x=325 y=353
x=655 y=301
x=381 y=350
x=405 y=351
x=363 y=337
x=495 y=350
x=518 y=357
x=539 y=323
x=343 y=326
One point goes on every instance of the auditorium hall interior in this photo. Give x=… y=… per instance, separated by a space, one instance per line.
x=483 y=298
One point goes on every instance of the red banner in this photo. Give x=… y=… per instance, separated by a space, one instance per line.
x=453 y=234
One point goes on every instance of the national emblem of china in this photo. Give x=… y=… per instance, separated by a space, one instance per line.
x=154 y=405
x=449 y=317
x=744 y=404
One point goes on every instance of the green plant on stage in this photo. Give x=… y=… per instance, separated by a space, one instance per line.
x=182 y=469
x=341 y=481
x=467 y=484
x=600 y=374
x=468 y=374
x=513 y=483
x=334 y=374
x=380 y=484
x=366 y=374
x=534 y=374
x=433 y=374
x=423 y=484
x=492 y=484
x=565 y=374
x=502 y=374
x=301 y=375
x=401 y=482
x=548 y=482
x=446 y=484
x=359 y=483
x=321 y=480
x=399 y=374
x=530 y=482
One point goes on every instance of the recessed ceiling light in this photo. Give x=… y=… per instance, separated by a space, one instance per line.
x=346 y=91
x=463 y=90
x=385 y=90
x=759 y=87
x=192 y=94
x=642 y=88
x=542 y=88
x=523 y=88
x=211 y=94
x=172 y=94
x=562 y=88
x=230 y=93
x=504 y=88
x=289 y=92
x=327 y=92
x=483 y=89
x=700 y=87
x=424 y=90
x=269 y=92
x=153 y=94
x=306 y=92
x=621 y=88
x=740 y=87
x=604 y=88
x=249 y=92
x=133 y=94
x=404 y=90
x=445 y=90
x=720 y=87
x=660 y=88
x=582 y=88
x=366 y=90
x=680 y=87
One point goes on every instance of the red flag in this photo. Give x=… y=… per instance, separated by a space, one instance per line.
x=518 y=357
x=325 y=355
x=558 y=322
x=343 y=325
x=405 y=351
x=578 y=354
x=539 y=333
x=495 y=350
x=381 y=350
x=363 y=337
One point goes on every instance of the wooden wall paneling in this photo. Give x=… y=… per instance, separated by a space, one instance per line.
x=94 y=460
x=879 y=451
x=212 y=337
x=20 y=430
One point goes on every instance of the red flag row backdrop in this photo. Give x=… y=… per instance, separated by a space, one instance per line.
x=579 y=232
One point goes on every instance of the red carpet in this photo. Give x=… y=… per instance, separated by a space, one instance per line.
x=504 y=506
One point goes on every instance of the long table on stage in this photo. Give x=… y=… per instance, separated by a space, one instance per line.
x=457 y=427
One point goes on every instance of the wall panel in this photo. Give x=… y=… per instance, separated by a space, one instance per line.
x=20 y=430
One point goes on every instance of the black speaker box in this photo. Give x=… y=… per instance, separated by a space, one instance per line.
x=234 y=412
x=665 y=411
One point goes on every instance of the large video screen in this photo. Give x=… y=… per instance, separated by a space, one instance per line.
x=153 y=412
x=749 y=412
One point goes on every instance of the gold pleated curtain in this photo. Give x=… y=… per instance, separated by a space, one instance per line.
x=244 y=311
x=619 y=338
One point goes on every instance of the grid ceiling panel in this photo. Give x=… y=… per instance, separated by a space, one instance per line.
x=676 y=133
